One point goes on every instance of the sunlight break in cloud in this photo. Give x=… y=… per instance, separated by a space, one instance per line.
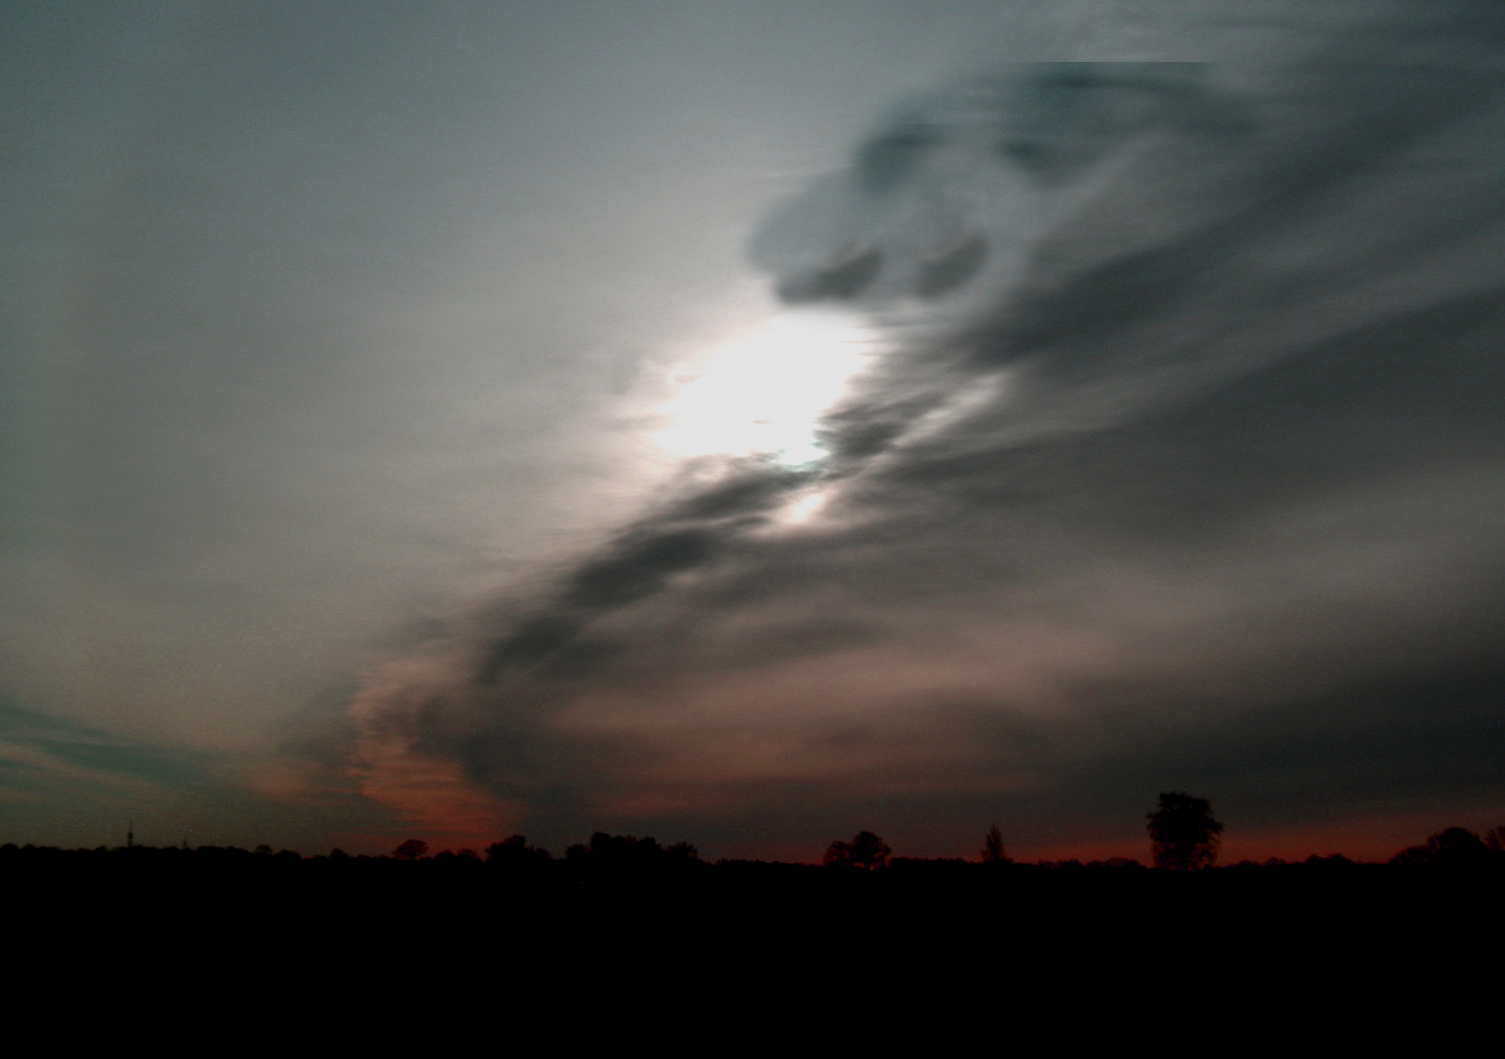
x=764 y=395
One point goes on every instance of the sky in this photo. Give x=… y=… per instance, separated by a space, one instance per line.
x=748 y=423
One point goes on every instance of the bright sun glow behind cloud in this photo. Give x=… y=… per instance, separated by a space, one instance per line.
x=765 y=394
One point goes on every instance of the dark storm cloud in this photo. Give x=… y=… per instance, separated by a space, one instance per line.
x=639 y=562
x=1183 y=469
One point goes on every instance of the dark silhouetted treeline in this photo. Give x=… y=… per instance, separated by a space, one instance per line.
x=620 y=860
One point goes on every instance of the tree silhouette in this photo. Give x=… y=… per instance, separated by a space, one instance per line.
x=513 y=849
x=869 y=851
x=866 y=851
x=838 y=855
x=624 y=851
x=1183 y=833
x=412 y=849
x=992 y=847
x=1454 y=847
x=1456 y=843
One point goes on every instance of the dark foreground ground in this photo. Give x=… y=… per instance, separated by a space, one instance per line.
x=622 y=943
x=605 y=889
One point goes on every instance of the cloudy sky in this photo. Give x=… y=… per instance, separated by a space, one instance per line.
x=750 y=422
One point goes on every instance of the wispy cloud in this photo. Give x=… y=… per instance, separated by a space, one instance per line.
x=63 y=782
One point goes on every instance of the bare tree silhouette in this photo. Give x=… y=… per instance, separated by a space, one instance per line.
x=992 y=847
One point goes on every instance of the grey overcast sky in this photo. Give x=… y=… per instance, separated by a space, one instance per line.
x=748 y=422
